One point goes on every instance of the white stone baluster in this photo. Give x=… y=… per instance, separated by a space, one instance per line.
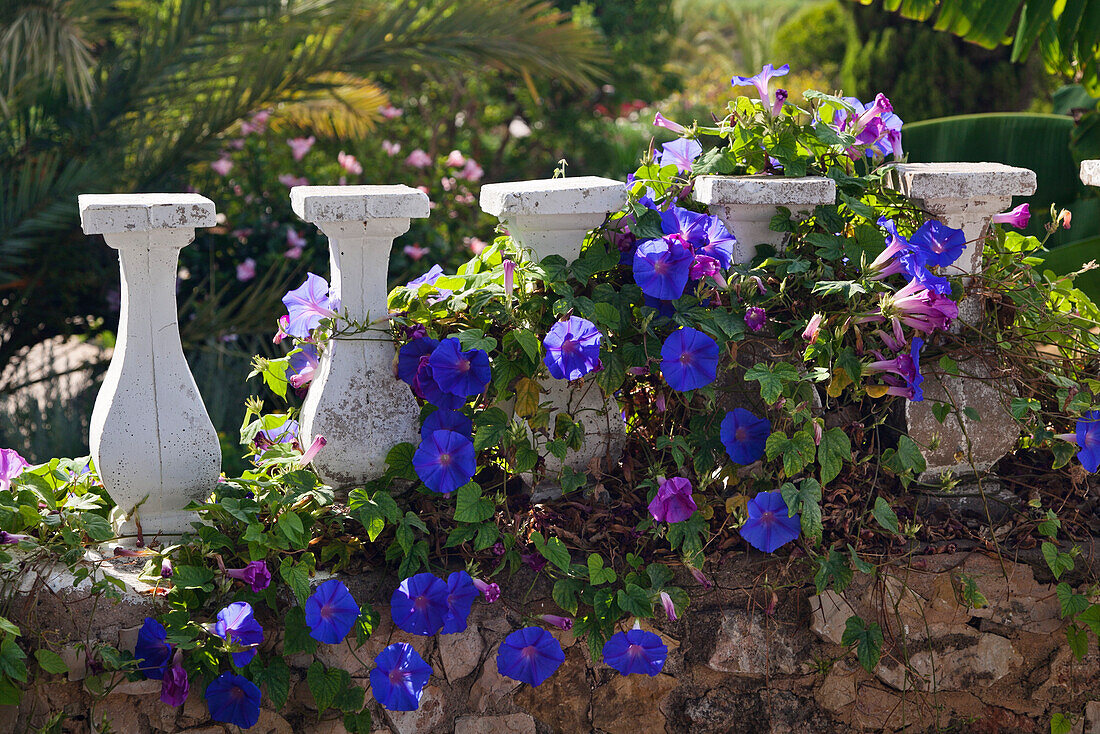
x=964 y=196
x=552 y=217
x=151 y=437
x=746 y=205
x=355 y=402
x=1090 y=173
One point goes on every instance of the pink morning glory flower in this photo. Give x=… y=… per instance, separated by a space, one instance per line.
x=418 y=159
x=390 y=112
x=302 y=365
x=476 y=245
x=562 y=623
x=309 y=454
x=300 y=146
x=755 y=318
x=491 y=592
x=661 y=121
x=256 y=574
x=391 y=149
x=416 y=251
x=812 y=328
x=174 y=685
x=472 y=171
x=670 y=608
x=456 y=159
x=1018 y=217
x=11 y=466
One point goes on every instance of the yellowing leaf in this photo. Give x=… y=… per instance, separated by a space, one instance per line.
x=876 y=391
x=527 y=397
x=738 y=503
x=706 y=510
x=841 y=380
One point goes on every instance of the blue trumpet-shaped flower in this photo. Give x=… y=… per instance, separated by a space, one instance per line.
x=331 y=612
x=445 y=461
x=419 y=604
x=744 y=435
x=233 y=699
x=461 y=593
x=152 y=649
x=530 y=655
x=635 y=651
x=398 y=678
x=769 y=525
x=689 y=359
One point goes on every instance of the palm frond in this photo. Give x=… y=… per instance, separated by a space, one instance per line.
x=335 y=103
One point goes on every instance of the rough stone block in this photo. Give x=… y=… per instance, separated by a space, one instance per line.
x=358 y=203
x=109 y=213
x=550 y=196
x=1090 y=176
x=510 y=724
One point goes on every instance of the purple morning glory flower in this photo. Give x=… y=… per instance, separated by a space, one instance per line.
x=681 y=153
x=461 y=593
x=445 y=461
x=529 y=655
x=572 y=348
x=635 y=651
x=302 y=365
x=762 y=80
x=673 y=502
x=447 y=420
x=664 y=308
x=744 y=435
x=419 y=604
x=11 y=466
x=941 y=245
x=890 y=142
x=236 y=625
x=689 y=359
x=1088 y=438
x=755 y=318
x=905 y=366
x=399 y=677
x=331 y=612
x=719 y=243
x=175 y=685
x=255 y=574
x=287 y=432
x=769 y=525
x=685 y=226
x=233 y=699
x=457 y=372
x=152 y=649
x=414 y=368
x=661 y=268
x=921 y=308
x=307 y=305
x=7 y=538
x=428 y=278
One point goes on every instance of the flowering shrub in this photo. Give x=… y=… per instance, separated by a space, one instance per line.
x=667 y=315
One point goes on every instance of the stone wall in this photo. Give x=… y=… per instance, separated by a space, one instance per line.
x=758 y=653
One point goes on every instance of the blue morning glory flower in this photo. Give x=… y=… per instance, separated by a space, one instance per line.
x=236 y=625
x=769 y=525
x=719 y=243
x=414 y=368
x=685 y=226
x=152 y=649
x=447 y=420
x=1088 y=438
x=399 y=677
x=307 y=305
x=661 y=268
x=285 y=433
x=302 y=365
x=689 y=359
x=428 y=278
x=445 y=461
x=572 y=348
x=419 y=604
x=530 y=655
x=331 y=612
x=461 y=593
x=762 y=81
x=681 y=153
x=233 y=699
x=457 y=372
x=744 y=435
x=635 y=651
x=939 y=244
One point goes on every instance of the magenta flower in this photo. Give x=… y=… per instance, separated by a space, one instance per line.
x=705 y=266
x=491 y=592
x=222 y=166
x=7 y=538
x=673 y=502
x=11 y=466
x=349 y=163
x=246 y=270
x=471 y=171
x=390 y=148
x=770 y=525
x=635 y=651
x=812 y=328
x=418 y=159
x=755 y=318
x=309 y=454
x=460 y=373
x=662 y=267
x=681 y=153
x=255 y=574
x=920 y=308
x=302 y=365
x=307 y=305
x=661 y=121
x=290 y=180
x=1018 y=217
x=744 y=435
x=941 y=245
x=701 y=577
x=572 y=349
x=762 y=81
x=905 y=366
x=509 y=278
x=166 y=568
x=669 y=606
x=174 y=686
x=455 y=160
x=780 y=99
x=689 y=359
x=476 y=245
x=390 y=112
x=445 y=461
x=416 y=251
x=562 y=623
x=300 y=146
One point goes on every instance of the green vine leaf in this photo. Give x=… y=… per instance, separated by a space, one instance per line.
x=868 y=641
x=471 y=506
